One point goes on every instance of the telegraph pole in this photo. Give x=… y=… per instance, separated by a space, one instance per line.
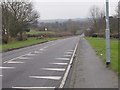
x=107 y=35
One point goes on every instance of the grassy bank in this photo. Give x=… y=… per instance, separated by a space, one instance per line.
x=18 y=44
x=100 y=47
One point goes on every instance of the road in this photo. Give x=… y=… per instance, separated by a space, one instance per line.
x=38 y=66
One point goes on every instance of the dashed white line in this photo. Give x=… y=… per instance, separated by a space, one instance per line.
x=53 y=69
x=46 y=77
x=62 y=58
x=1 y=75
x=33 y=87
x=59 y=63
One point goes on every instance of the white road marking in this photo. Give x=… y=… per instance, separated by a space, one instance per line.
x=1 y=75
x=54 y=69
x=37 y=52
x=23 y=58
x=33 y=87
x=62 y=58
x=41 y=49
x=13 y=59
x=7 y=67
x=30 y=54
x=59 y=63
x=68 y=52
x=68 y=68
x=45 y=47
x=67 y=55
x=46 y=77
x=15 y=62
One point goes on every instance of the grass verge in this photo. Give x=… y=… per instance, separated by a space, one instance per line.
x=99 y=45
x=20 y=44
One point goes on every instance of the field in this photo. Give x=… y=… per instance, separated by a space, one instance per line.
x=99 y=45
x=40 y=32
x=18 y=44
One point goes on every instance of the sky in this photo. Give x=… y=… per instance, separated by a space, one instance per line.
x=69 y=9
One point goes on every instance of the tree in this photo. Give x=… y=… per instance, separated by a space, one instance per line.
x=17 y=17
x=97 y=19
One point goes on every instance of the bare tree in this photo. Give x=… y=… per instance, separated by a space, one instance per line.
x=97 y=19
x=20 y=16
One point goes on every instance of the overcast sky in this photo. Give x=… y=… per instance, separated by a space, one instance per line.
x=66 y=9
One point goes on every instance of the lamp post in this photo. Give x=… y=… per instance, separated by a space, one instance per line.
x=118 y=20
x=107 y=34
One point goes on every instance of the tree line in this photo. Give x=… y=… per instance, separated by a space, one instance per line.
x=17 y=17
x=97 y=22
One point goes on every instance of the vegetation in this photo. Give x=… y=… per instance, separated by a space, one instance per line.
x=99 y=45
x=17 y=17
x=19 y=44
x=97 y=22
x=39 y=32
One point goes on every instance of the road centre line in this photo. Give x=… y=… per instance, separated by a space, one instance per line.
x=46 y=77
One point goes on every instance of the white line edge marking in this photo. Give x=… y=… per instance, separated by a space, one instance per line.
x=62 y=58
x=32 y=87
x=68 y=68
x=59 y=63
x=46 y=77
x=54 y=69
x=1 y=75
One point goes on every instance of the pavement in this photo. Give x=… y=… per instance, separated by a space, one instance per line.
x=38 y=66
x=89 y=71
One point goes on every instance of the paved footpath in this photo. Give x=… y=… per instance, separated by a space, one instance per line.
x=89 y=71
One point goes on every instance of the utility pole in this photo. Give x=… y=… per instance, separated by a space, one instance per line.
x=107 y=34
x=118 y=19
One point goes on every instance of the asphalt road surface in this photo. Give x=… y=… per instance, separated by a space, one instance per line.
x=38 y=66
